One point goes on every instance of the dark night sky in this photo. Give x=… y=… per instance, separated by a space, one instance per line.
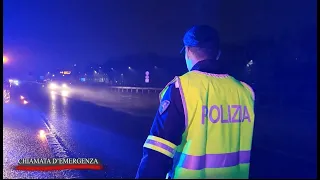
x=58 y=33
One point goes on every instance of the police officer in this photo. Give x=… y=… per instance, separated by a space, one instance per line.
x=204 y=125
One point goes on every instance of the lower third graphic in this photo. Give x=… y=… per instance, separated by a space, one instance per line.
x=52 y=164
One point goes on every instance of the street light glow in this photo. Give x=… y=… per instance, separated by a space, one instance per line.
x=129 y=67
x=5 y=59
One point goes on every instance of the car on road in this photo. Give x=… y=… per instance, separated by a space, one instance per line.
x=56 y=87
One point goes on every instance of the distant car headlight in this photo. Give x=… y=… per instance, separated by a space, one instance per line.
x=64 y=85
x=16 y=82
x=64 y=93
x=13 y=81
x=53 y=86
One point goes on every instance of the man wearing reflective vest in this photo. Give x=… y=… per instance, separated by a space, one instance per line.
x=204 y=125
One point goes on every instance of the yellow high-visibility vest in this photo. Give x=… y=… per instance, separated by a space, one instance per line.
x=219 y=120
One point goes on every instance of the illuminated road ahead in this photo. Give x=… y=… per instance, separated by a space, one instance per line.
x=95 y=125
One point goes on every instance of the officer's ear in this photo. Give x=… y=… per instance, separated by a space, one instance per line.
x=218 y=55
x=186 y=49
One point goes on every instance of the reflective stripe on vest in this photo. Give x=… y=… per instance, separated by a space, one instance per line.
x=214 y=160
x=219 y=126
x=161 y=145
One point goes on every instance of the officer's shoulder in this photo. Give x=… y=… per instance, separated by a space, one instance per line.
x=174 y=83
x=167 y=89
x=249 y=88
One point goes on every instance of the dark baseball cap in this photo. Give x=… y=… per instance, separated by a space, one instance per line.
x=201 y=36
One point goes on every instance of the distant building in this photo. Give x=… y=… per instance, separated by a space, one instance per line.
x=60 y=75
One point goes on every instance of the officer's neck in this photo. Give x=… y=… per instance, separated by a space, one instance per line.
x=208 y=65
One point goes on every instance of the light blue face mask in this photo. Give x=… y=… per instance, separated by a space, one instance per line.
x=188 y=61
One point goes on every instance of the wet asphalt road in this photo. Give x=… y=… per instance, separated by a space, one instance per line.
x=113 y=127
x=21 y=126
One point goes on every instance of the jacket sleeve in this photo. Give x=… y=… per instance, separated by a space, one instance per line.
x=165 y=135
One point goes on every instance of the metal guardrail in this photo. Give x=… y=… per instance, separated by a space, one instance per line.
x=124 y=88
x=135 y=89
